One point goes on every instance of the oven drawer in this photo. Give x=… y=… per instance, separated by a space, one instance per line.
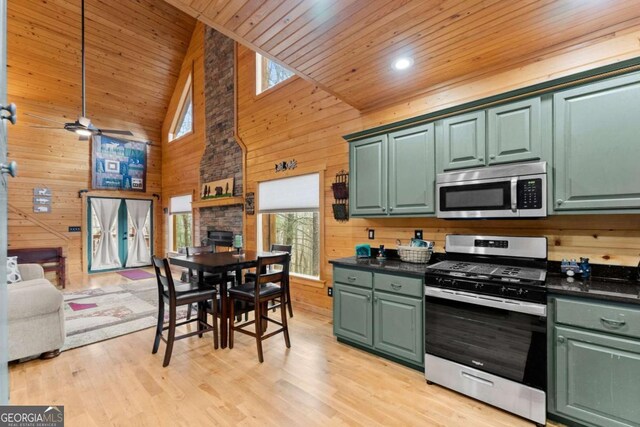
x=353 y=277
x=598 y=316
x=409 y=286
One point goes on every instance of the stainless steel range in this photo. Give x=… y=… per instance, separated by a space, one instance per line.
x=485 y=321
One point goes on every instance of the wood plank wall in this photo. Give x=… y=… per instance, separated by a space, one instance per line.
x=134 y=51
x=297 y=120
x=181 y=157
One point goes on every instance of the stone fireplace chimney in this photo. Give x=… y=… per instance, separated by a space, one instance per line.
x=222 y=156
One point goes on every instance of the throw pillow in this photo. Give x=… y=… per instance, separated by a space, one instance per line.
x=13 y=274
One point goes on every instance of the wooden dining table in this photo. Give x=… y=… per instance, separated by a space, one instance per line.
x=220 y=263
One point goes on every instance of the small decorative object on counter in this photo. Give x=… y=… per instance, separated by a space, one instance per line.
x=237 y=243
x=569 y=267
x=363 y=251
x=382 y=255
x=341 y=195
x=418 y=255
x=585 y=268
x=419 y=243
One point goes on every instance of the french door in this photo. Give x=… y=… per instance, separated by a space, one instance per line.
x=121 y=233
x=4 y=172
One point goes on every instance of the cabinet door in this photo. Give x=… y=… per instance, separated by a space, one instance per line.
x=514 y=132
x=596 y=146
x=398 y=326
x=368 y=176
x=597 y=377
x=462 y=141
x=353 y=313
x=412 y=171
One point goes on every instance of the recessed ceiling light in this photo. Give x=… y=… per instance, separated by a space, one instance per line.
x=402 y=63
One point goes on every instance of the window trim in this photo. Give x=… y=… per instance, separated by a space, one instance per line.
x=187 y=93
x=258 y=79
x=320 y=170
x=171 y=241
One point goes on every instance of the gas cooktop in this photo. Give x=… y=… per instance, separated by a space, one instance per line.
x=485 y=271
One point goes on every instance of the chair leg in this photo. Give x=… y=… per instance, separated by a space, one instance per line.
x=156 y=341
x=171 y=336
x=232 y=309
x=258 y=314
x=189 y=311
x=201 y=318
x=285 y=327
x=214 y=315
x=289 y=300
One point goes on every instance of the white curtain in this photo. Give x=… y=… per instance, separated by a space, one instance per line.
x=138 y=250
x=105 y=255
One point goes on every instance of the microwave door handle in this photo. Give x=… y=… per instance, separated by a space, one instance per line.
x=514 y=194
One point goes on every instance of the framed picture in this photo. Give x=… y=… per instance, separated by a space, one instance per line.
x=118 y=164
x=217 y=189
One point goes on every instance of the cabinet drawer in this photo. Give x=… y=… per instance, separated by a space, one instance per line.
x=598 y=316
x=410 y=286
x=353 y=277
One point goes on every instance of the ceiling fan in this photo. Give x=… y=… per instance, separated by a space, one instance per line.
x=82 y=126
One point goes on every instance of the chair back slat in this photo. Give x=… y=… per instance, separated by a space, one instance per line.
x=272 y=276
x=197 y=250
x=164 y=277
x=281 y=248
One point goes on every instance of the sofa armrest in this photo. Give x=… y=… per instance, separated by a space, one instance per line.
x=31 y=271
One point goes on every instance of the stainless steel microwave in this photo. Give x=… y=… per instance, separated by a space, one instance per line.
x=516 y=190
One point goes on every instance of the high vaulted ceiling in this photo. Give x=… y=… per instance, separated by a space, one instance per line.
x=347 y=46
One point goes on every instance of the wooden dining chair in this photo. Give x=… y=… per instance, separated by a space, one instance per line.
x=251 y=277
x=175 y=295
x=258 y=295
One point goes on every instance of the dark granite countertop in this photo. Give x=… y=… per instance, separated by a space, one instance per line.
x=597 y=288
x=393 y=266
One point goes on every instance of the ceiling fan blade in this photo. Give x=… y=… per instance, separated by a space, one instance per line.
x=43 y=118
x=47 y=127
x=117 y=132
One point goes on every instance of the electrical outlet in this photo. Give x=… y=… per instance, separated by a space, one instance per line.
x=372 y=234
x=418 y=234
x=330 y=291
x=74 y=229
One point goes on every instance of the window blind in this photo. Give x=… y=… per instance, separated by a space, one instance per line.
x=298 y=193
x=180 y=204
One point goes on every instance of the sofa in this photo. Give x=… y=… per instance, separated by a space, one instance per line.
x=35 y=315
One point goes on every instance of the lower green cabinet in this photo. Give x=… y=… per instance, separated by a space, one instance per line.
x=398 y=326
x=353 y=313
x=595 y=364
x=388 y=322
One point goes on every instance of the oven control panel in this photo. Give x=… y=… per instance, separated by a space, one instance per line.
x=530 y=193
x=483 y=243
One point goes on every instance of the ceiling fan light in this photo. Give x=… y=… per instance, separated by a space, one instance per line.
x=83 y=132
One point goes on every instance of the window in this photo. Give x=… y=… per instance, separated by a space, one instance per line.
x=183 y=121
x=289 y=214
x=181 y=223
x=269 y=73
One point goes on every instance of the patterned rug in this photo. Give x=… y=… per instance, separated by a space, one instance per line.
x=94 y=315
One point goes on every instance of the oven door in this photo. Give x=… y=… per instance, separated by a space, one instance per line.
x=486 y=334
x=486 y=198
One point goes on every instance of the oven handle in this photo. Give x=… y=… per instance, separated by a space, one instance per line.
x=514 y=194
x=487 y=301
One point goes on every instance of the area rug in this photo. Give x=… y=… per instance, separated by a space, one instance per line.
x=136 y=274
x=94 y=315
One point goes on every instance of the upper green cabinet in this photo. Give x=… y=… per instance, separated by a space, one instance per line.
x=514 y=132
x=368 y=193
x=461 y=141
x=597 y=145
x=412 y=171
x=393 y=174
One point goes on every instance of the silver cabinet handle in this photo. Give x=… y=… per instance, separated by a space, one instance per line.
x=559 y=202
x=612 y=322
x=375 y=299
x=396 y=286
x=492 y=156
x=384 y=209
x=368 y=297
x=477 y=379
x=391 y=208
x=351 y=279
x=561 y=339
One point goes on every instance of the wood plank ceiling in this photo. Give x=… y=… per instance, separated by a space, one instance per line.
x=347 y=46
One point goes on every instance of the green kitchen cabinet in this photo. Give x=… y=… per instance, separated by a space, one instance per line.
x=353 y=313
x=461 y=141
x=398 y=326
x=597 y=377
x=412 y=171
x=368 y=176
x=514 y=132
x=597 y=146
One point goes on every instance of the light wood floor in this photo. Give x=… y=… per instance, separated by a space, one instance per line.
x=317 y=382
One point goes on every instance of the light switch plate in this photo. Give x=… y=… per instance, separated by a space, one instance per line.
x=372 y=234
x=418 y=234
x=75 y=229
